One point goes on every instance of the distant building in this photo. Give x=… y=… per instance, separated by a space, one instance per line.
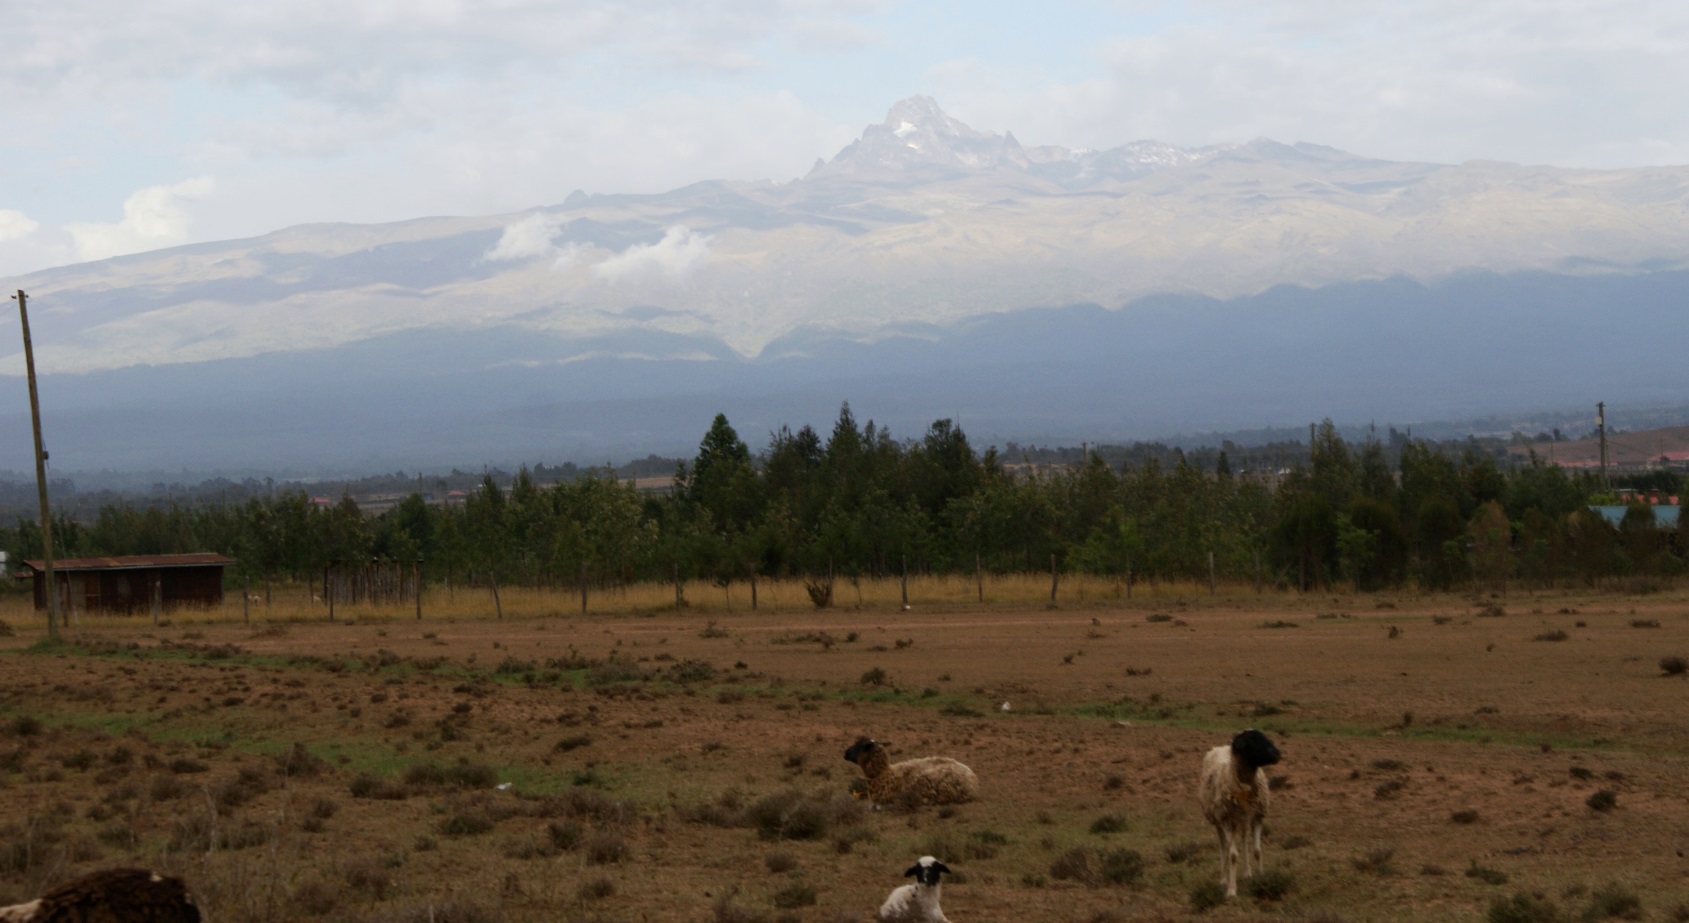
x=131 y=584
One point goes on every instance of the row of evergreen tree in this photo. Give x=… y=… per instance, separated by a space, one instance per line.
x=861 y=503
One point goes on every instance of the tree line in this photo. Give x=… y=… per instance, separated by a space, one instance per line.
x=859 y=503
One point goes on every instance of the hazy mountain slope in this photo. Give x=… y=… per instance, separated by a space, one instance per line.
x=923 y=220
x=1395 y=351
x=1236 y=286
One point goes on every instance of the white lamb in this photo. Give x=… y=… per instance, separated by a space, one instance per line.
x=918 y=902
x=1234 y=795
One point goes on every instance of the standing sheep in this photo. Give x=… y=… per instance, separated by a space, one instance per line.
x=118 y=895
x=1234 y=795
x=918 y=902
x=927 y=780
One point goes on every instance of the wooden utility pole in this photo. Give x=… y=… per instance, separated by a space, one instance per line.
x=1600 y=426
x=40 y=471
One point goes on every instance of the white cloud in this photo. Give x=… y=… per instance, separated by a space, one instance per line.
x=532 y=238
x=673 y=257
x=525 y=239
x=15 y=225
x=1572 y=82
x=153 y=217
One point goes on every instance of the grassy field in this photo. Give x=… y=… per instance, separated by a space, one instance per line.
x=1446 y=757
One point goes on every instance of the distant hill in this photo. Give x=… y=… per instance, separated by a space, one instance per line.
x=1631 y=449
x=928 y=270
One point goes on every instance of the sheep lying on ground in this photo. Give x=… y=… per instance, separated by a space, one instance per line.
x=110 y=896
x=918 y=902
x=928 y=780
x=1234 y=796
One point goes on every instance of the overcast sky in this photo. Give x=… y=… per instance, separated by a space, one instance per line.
x=131 y=126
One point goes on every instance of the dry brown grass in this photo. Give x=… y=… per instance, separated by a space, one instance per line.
x=631 y=765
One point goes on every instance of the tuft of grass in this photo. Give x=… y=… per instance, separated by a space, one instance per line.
x=1180 y=853
x=874 y=677
x=1488 y=876
x=1555 y=635
x=1109 y=823
x=793 y=896
x=565 y=835
x=1603 y=800
x=573 y=742
x=1613 y=902
x=1375 y=861
x=1467 y=816
x=1674 y=666
x=1270 y=885
x=1084 y=865
x=606 y=848
x=466 y=823
x=596 y=889
x=1524 y=908
x=793 y=815
x=366 y=785
x=1207 y=896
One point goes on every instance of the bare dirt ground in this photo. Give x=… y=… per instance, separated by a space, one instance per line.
x=1441 y=754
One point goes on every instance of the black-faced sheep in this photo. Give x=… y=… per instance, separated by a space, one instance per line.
x=1234 y=796
x=927 y=780
x=918 y=902
x=118 y=895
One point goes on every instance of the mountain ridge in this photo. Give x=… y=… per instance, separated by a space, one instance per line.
x=896 y=253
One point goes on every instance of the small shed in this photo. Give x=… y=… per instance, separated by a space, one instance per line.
x=132 y=583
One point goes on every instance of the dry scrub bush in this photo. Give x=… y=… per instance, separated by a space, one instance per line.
x=366 y=785
x=595 y=889
x=1269 y=885
x=1603 y=800
x=606 y=848
x=1086 y=866
x=1524 y=908
x=1488 y=876
x=1375 y=861
x=451 y=910
x=793 y=815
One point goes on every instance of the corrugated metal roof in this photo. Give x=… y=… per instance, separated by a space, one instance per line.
x=129 y=562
